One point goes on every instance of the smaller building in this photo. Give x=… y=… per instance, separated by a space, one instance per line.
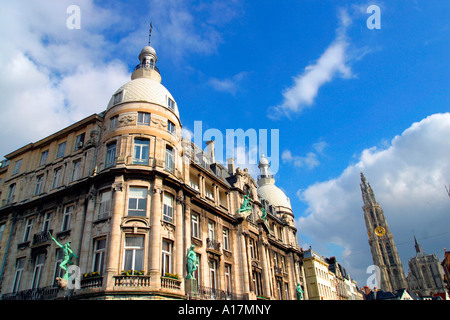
x=446 y=267
x=425 y=277
x=320 y=281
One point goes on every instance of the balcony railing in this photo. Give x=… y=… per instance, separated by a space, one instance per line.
x=132 y=281
x=41 y=237
x=213 y=244
x=92 y=282
x=170 y=283
x=198 y=292
x=45 y=293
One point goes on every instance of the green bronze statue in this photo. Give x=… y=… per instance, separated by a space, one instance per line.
x=264 y=214
x=68 y=254
x=192 y=263
x=299 y=292
x=246 y=205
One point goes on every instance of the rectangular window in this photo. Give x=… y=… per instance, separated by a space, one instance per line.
x=141 y=149
x=20 y=264
x=59 y=254
x=226 y=238
x=171 y=103
x=12 y=189
x=40 y=259
x=110 y=155
x=211 y=232
x=169 y=159
x=113 y=121
x=137 y=202
x=99 y=256
x=39 y=182
x=57 y=177
x=133 y=254
x=47 y=221
x=213 y=274
x=251 y=244
x=143 y=118
x=44 y=156
x=168 y=208
x=27 y=232
x=170 y=127
x=118 y=97
x=286 y=291
x=209 y=193
x=2 y=230
x=67 y=218
x=79 y=141
x=61 y=150
x=228 y=279
x=76 y=170
x=105 y=204
x=195 y=225
x=17 y=165
x=166 y=264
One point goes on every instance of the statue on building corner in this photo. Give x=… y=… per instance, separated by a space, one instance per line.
x=299 y=292
x=68 y=255
x=192 y=263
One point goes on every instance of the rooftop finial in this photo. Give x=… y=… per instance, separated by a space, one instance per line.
x=150 y=33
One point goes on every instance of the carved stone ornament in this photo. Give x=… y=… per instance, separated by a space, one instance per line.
x=126 y=120
x=117 y=186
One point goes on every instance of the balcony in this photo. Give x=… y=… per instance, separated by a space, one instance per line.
x=213 y=244
x=41 y=237
x=131 y=281
x=91 y=282
x=170 y=283
x=198 y=292
x=45 y=293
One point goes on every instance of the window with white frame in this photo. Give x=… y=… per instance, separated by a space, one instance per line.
x=110 y=154
x=20 y=264
x=28 y=228
x=143 y=118
x=61 y=150
x=286 y=291
x=213 y=274
x=137 y=201
x=169 y=164
x=211 y=231
x=141 y=151
x=166 y=253
x=39 y=182
x=99 y=255
x=39 y=264
x=170 y=127
x=195 y=225
x=168 y=208
x=76 y=170
x=133 y=253
x=57 y=177
x=209 y=191
x=47 y=222
x=67 y=218
x=171 y=103
x=43 y=159
x=227 y=279
x=251 y=245
x=226 y=239
x=105 y=204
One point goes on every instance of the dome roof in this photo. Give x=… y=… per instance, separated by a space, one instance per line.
x=147 y=50
x=274 y=195
x=145 y=90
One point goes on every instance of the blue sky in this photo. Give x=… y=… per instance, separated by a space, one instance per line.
x=344 y=98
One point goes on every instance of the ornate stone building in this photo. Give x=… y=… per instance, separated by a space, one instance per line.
x=132 y=196
x=381 y=241
x=425 y=277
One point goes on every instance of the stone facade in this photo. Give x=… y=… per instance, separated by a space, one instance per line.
x=132 y=196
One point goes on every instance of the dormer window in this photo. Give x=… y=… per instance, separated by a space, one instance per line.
x=118 y=97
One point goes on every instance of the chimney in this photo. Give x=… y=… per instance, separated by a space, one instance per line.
x=210 y=151
x=231 y=169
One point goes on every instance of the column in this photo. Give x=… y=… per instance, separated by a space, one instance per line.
x=244 y=263
x=179 y=237
x=86 y=241
x=113 y=253
x=155 y=234
x=265 y=266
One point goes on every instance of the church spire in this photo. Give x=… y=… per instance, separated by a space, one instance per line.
x=417 y=246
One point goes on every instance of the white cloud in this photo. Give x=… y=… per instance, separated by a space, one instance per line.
x=333 y=62
x=310 y=160
x=230 y=85
x=51 y=76
x=408 y=179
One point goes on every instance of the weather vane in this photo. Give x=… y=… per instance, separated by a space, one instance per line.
x=150 y=33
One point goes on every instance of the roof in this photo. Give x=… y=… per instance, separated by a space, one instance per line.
x=145 y=90
x=274 y=195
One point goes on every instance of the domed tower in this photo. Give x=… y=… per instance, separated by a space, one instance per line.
x=275 y=197
x=142 y=122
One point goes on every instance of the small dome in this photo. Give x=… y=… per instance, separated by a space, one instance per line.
x=145 y=90
x=263 y=161
x=147 y=50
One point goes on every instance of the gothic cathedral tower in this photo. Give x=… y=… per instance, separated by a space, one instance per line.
x=381 y=241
